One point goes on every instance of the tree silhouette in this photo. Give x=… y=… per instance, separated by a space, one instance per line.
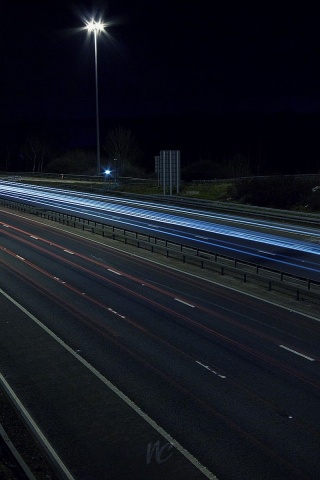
x=122 y=146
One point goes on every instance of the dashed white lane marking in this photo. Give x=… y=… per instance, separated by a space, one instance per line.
x=32 y=236
x=201 y=237
x=113 y=271
x=210 y=369
x=267 y=253
x=207 y=473
x=297 y=353
x=68 y=251
x=185 y=303
x=116 y=313
x=59 y=280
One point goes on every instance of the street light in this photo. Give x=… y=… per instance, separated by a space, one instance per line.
x=107 y=173
x=96 y=28
x=115 y=170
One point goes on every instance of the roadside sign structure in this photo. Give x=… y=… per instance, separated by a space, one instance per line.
x=167 y=166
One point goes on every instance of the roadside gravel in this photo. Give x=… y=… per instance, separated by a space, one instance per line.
x=27 y=446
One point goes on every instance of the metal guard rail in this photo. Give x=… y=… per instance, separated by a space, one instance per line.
x=232 y=208
x=274 y=280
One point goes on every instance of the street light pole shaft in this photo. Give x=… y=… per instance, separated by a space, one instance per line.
x=97 y=101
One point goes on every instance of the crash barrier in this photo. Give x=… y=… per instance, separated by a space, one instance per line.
x=312 y=219
x=300 y=288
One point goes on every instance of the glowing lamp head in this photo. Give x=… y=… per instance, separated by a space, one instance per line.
x=95 y=27
x=107 y=172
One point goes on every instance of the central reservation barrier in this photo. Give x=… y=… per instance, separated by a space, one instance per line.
x=300 y=288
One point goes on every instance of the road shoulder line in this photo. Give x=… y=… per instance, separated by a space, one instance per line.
x=36 y=430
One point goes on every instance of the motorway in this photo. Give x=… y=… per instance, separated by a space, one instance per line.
x=112 y=353
x=288 y=248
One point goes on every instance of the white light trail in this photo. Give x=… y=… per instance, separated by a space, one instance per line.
x=102 y=207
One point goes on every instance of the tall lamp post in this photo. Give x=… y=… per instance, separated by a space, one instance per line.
x=96 y=28
x=115 y=170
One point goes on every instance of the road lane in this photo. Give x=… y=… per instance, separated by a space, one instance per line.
x=204 y=310
x=193 y=360
x=157 y=302
x=162 y=301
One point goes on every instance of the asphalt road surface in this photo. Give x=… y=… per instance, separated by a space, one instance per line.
x=135 y=370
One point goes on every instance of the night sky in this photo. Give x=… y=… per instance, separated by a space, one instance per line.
x=160 y=58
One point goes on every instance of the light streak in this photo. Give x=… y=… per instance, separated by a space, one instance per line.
x=99 y=206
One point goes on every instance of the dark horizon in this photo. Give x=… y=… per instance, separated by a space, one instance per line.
x=282 y=142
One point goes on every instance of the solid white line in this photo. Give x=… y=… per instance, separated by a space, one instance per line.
x=16 y=454
x=118 y=392
x=21 y=258
x=34 y=426
x=68 y=251
x=297 y=353
x=185 y=303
